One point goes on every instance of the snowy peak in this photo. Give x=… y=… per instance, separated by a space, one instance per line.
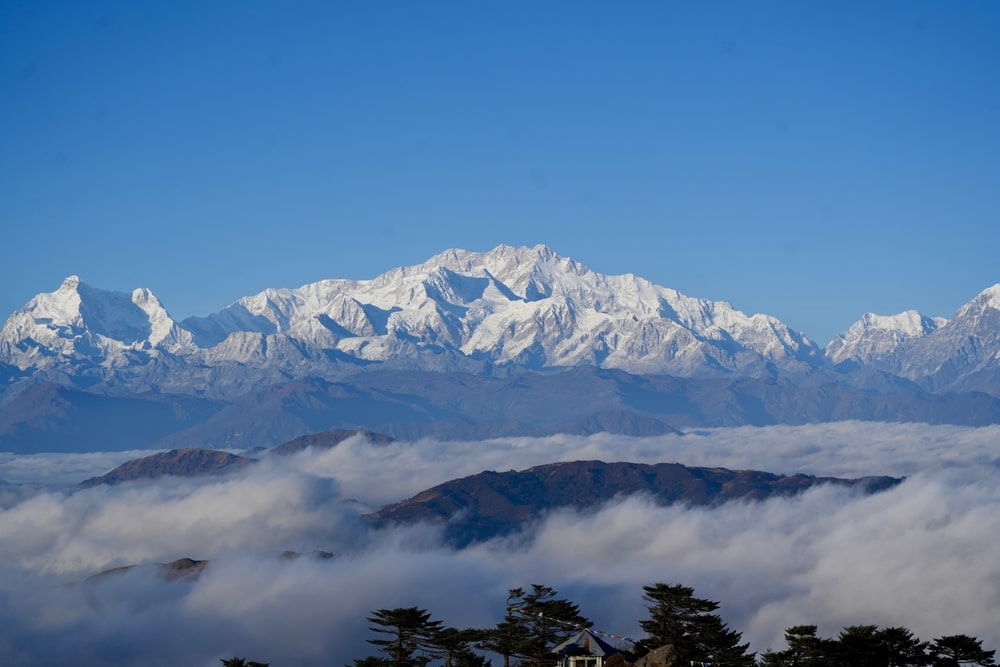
x=78 y=320
x=876 y=337
x=965 y=353
x=517 y=305
x=503 y=260
x=162 y=328
x=908 y=324
x=988 y=299
x=960 y=354
x=60 y=308
x=115 y=315
x=529 y=273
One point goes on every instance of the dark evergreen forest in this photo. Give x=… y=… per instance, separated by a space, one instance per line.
x=537 y=620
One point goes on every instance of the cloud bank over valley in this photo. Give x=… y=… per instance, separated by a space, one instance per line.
x=920 y=555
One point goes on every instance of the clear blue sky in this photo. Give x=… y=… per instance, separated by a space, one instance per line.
x=808 y=160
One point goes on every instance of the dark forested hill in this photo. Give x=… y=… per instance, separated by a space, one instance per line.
x=179 y=462
x=329 y=438
x=491 y=503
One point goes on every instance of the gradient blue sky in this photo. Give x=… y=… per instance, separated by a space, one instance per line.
x=808 y=160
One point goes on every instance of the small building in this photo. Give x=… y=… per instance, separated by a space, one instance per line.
x=585 y=649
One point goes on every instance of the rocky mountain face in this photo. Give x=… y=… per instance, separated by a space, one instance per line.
x=960 y=354
x=514 y=341
x=879 y=338
x=964 y=354
x=490 y=504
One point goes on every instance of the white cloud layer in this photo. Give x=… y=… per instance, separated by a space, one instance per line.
x=921 y=555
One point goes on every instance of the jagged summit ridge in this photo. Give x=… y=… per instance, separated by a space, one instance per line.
x=459 y=309
x=515 y=305
x=509 y=307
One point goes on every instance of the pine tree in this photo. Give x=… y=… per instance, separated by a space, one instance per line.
x=410 y=631
x=902 y=648
x=721 y=645
x=510 y=634
x=860 y=646
x=955 y=650
x=688 y=623
x=369 y=661
x=535 y=622
x=804 y=647
x=771 y=658
x=455 y=647
x=237 y=661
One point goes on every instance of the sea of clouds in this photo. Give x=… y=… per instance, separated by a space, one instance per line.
x=921 y=555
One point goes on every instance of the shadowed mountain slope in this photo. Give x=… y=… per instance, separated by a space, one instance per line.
x=49 y=417
x=413 y=404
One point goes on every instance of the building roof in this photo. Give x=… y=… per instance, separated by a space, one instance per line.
x=585 y=642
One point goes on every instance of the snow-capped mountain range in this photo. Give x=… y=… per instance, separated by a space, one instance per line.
x=509 y=308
